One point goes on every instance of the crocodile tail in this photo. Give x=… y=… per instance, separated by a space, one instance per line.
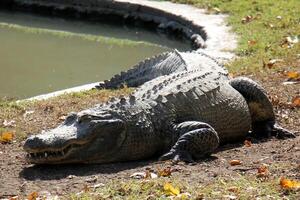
x=260 y=107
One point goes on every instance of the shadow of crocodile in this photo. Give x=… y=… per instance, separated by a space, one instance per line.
x=52 y=172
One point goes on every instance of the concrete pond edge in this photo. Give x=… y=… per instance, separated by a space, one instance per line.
x=206 y=32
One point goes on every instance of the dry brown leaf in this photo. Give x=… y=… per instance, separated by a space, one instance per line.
x=262 y=171
x=235 y=162
x=247 y=19
x=272 y=62
x=170 y=190
x=6 y=137
x=247 y=143
x=165 y=172
x=252 y=42
x=296 y=101
x=32 y=196
x=233 y=189
x=289 y=184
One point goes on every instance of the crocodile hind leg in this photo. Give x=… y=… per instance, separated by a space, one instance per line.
x=196 y=140
x=261 y=109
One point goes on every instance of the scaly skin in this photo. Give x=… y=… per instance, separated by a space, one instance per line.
x=181 y=116
x=164 y=64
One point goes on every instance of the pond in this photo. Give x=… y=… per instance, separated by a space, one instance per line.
x=42 y=54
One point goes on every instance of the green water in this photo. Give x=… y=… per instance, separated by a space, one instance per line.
x=40 y=55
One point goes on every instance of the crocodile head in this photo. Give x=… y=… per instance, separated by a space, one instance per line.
x=87 y=136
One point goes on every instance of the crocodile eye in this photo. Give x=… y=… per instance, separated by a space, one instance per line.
x=83 y=118
x=71 y=117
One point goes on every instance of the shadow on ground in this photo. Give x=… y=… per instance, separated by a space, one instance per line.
x=54 y=172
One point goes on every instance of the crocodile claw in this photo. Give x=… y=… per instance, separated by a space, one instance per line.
x=282 y=133
x=177 y=156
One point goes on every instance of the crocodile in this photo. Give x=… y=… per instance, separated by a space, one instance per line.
x=165 y=64
x=183 y=109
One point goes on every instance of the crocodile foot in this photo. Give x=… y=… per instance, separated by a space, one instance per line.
x=281 y=133
x=177 y=156
x=269 y=129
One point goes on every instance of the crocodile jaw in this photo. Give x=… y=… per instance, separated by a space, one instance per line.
x=75 y=142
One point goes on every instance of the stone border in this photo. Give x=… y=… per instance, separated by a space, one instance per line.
x=207 y=32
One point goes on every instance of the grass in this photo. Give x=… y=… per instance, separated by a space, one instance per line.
x=241 y=187
x=33 y=116
x=263 y=38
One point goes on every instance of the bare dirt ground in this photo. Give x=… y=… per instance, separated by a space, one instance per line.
x=20 y=178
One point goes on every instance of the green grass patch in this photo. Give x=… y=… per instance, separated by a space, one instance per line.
x=243 y=187
x=33 y=116
x=263 y=37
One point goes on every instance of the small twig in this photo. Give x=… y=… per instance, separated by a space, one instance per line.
x=244 y=169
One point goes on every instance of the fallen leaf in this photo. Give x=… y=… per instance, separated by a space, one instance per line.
x=296 y=101
x=289 y=184
x=262 y=171
x=252 y=42
x=233 y=189
x=272 y=62
x=293 y=75
x=165 y=172
x=247 y=19
x=32 y=196
x=170 y=190
x=183 y=196
x=6 y=137
x=235 y=162
x=216 y=10
x=247 y=143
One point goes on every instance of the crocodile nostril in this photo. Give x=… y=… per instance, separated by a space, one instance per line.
x=32 y=142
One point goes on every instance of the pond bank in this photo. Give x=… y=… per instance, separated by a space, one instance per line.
x=206 y=32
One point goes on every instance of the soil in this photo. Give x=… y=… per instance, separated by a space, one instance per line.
x=20 y=178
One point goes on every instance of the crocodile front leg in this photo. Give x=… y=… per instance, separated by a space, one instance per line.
x=197 y=140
